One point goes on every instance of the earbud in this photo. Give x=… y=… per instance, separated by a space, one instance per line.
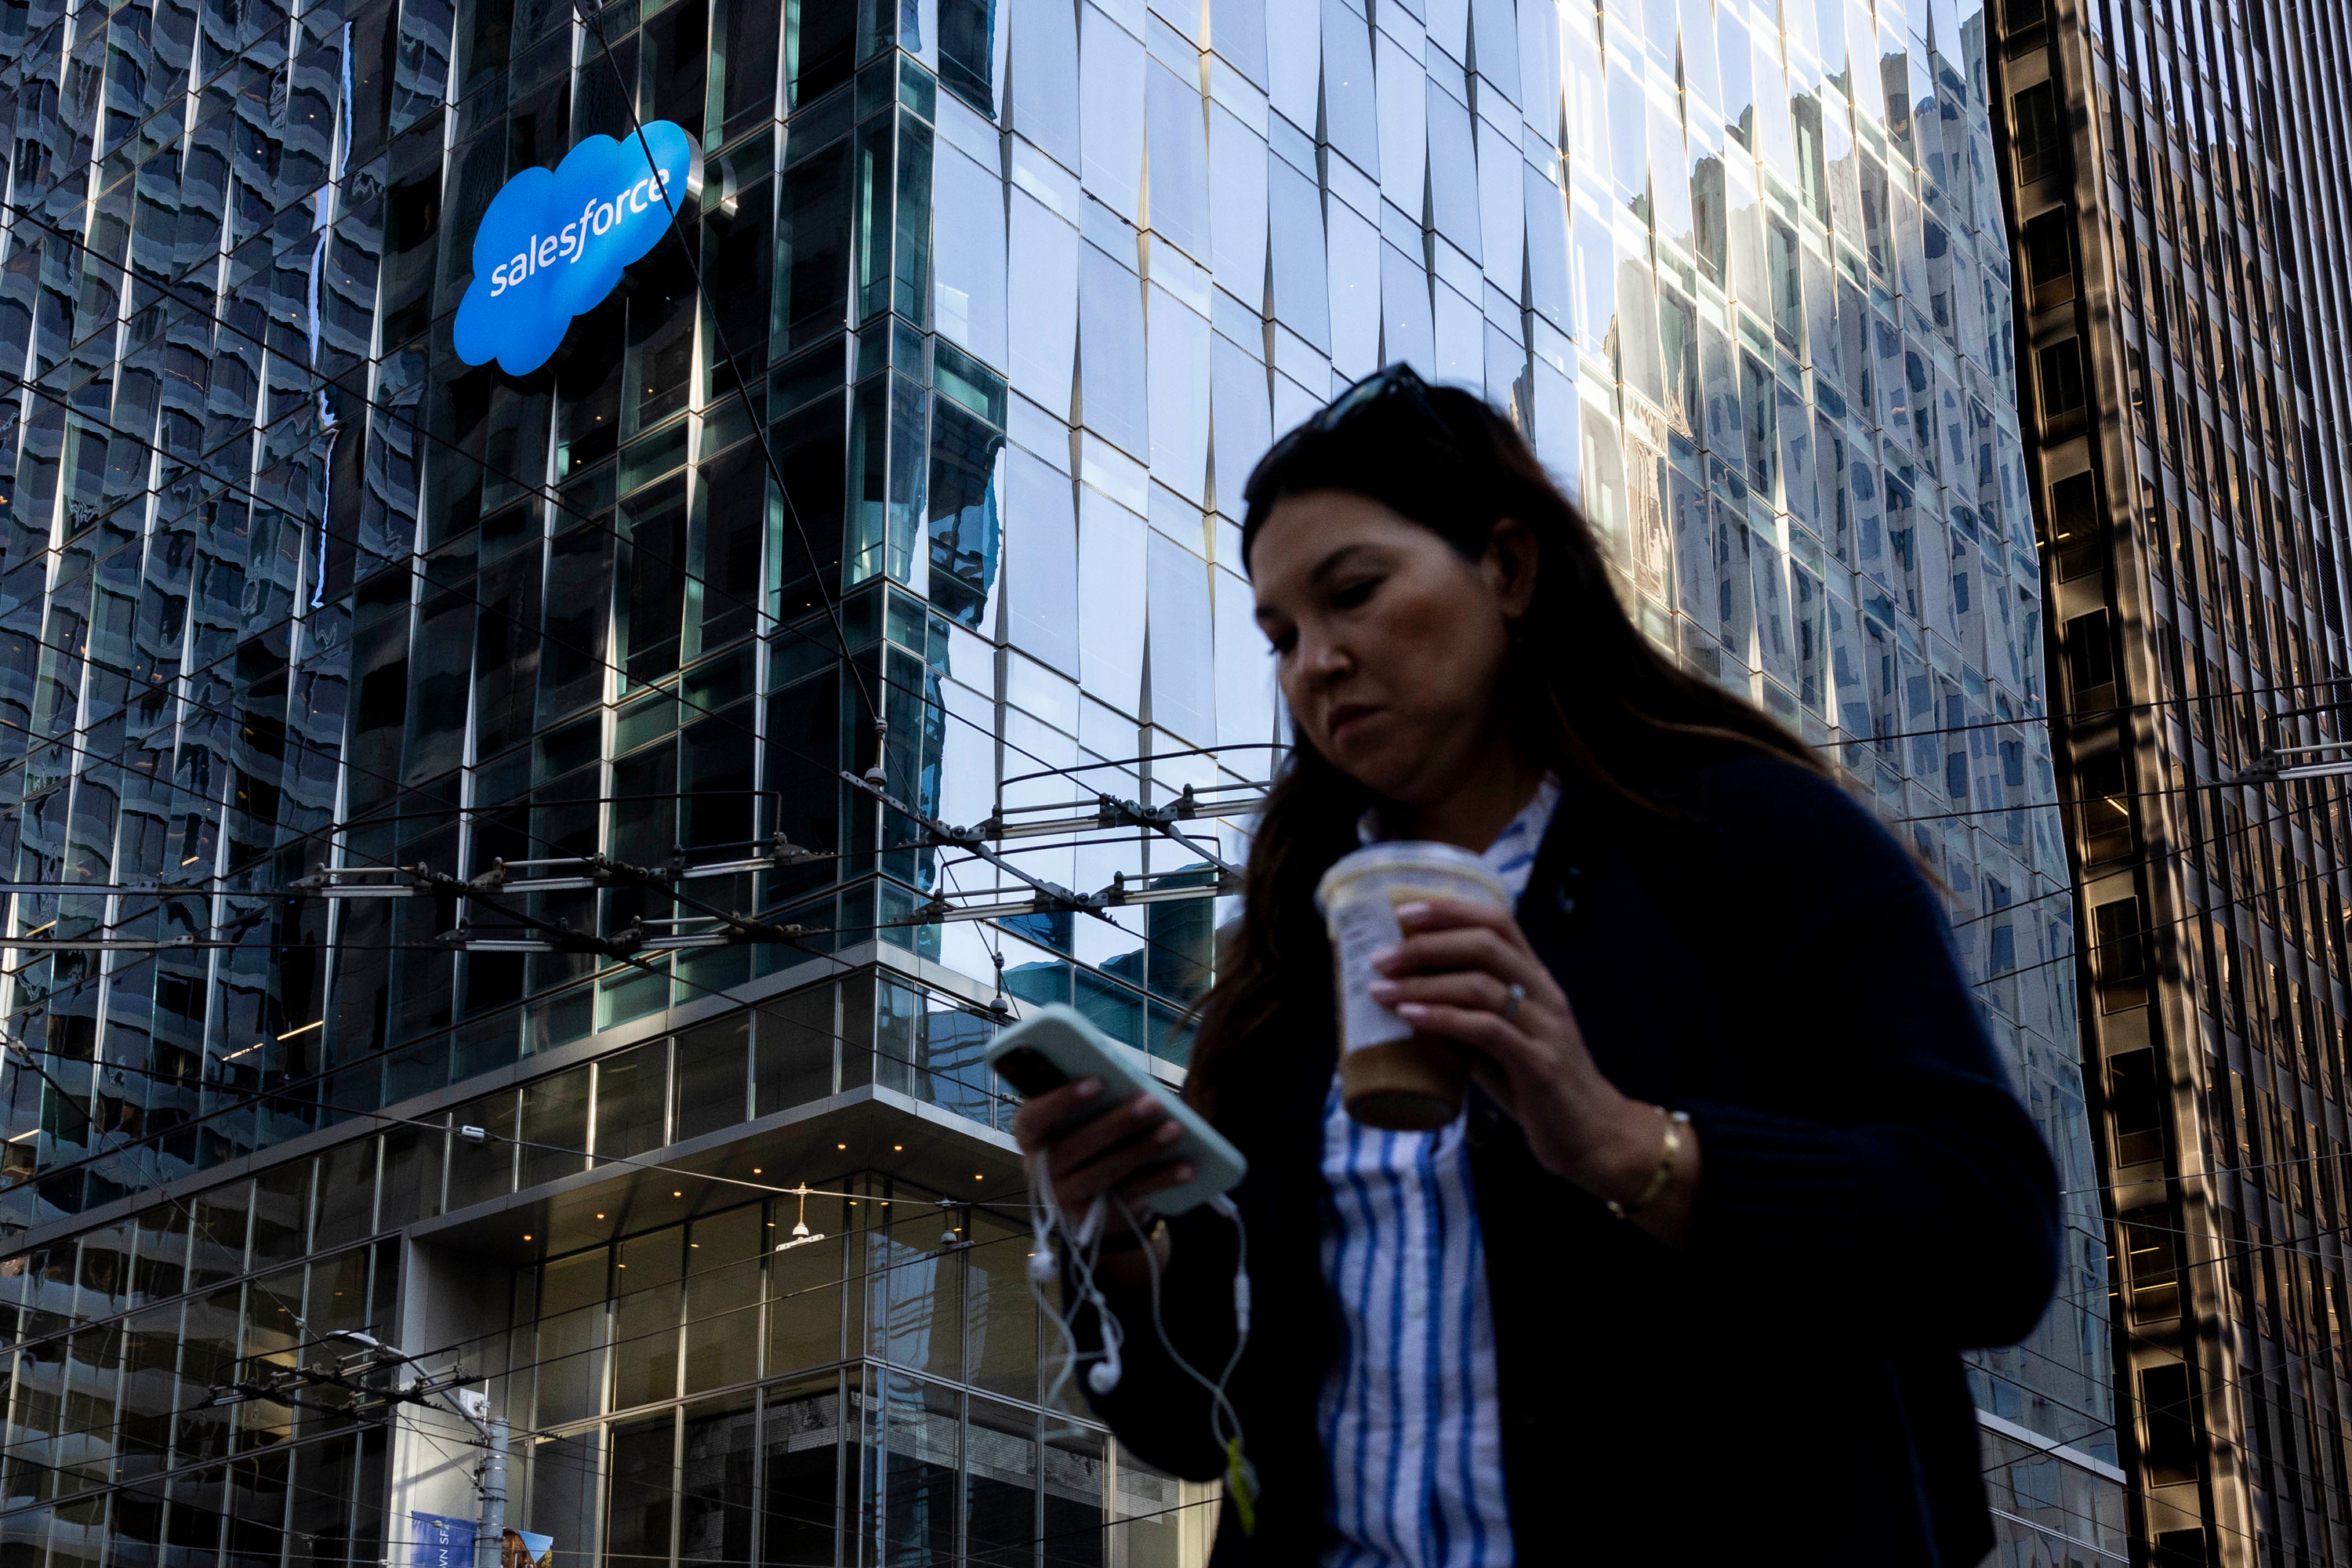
x=1044 y=1266
x=1103 y=1376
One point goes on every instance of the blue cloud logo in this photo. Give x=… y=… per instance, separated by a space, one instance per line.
x=552 y=245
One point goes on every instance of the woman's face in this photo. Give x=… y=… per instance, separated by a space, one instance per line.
x=1389 y=645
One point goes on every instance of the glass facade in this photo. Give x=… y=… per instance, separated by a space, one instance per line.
x=934 y=1450
x=449 y=808
x=2176 y=171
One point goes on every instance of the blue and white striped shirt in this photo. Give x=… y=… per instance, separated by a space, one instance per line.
x=1410 y=1435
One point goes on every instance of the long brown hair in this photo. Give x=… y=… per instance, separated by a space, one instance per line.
x=1586 y=694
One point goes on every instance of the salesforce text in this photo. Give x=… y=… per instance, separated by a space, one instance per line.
x=545 y=249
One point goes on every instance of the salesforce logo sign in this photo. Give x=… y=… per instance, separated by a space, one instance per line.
x=552 y=245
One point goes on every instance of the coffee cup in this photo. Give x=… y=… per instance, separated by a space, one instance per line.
x=1392 y=1076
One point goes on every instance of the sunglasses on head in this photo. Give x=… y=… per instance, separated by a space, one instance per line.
x=1390 y=384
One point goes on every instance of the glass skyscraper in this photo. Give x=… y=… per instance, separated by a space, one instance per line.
x=484 y=844
x=2178 y=176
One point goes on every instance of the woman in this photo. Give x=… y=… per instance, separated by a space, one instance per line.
x=1725 y=1009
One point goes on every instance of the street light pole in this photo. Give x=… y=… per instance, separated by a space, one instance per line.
x=489 y=1477
x=489 y=1542
x=373 y=1356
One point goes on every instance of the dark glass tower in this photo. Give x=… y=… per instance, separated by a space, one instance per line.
x=2176 y=175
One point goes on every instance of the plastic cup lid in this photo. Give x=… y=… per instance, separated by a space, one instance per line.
x=1428 y=858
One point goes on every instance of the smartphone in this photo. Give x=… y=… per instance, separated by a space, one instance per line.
x=1055 y=1045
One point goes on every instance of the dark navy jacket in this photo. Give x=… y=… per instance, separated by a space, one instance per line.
x=1874 y=1200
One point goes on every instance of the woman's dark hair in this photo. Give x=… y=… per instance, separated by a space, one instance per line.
x=1588 y=695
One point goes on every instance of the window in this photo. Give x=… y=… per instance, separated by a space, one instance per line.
x=964 y=538
x=820 y=44
x=740 y=249
x=481 y=1171
x=554 y=1126
x=2090 y=661
x=711 y=1082
x=2050 y=259
x=722 y=1345
x=679 y=43
x=647 y=1307
x=2181 y=1548
x=2119 y=956
x=637 y=1518
x=2105 y=808
x=2038 y=135
x=748 y=63
x=1788 y=295
x=414 y=216
x=2171 y=1422
x=2062 y=379
x=630 y=1100
x=813 y=233
x=803 y=1475
x=967 y=52
x=2075 y=527
x=652 y=584
x=2151 y=1264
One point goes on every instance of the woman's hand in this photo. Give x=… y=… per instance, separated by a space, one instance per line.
x=1121 y=1152
x=1453 y=976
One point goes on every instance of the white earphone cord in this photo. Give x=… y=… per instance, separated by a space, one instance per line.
x=1224 y=1423
x=1045 y=1264
x=1048 y=1221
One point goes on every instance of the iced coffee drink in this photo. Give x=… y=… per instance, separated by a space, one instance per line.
x=1391 y=1076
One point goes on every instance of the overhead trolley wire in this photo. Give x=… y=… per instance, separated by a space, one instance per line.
x=589 y=14
x=537 y=491
x=545 y=491
x=753 y=734
x=2126 y=938
x=847 y=1281
x=257 y=1095
x=2086 y=715
x=920 y=1208
x=2212 y=840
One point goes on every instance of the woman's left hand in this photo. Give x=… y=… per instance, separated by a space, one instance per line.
x=1453 y=976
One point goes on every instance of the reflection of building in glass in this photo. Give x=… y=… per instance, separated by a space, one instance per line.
x=2177 y=284
x=920 y=455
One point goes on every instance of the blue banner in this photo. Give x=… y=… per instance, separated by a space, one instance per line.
x=441 y=1541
